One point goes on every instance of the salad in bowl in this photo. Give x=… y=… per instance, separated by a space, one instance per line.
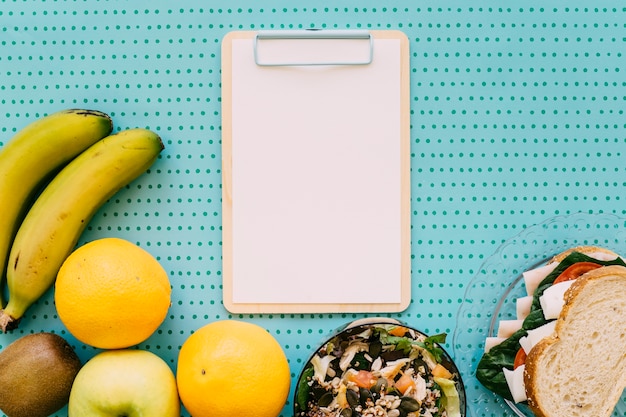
x=380 y=367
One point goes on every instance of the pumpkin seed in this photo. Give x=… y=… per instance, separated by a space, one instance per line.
x=409 y=404
x=364 y=395
x=381 y=386
x=325 y=399
x=375 y=348
x=352 y=397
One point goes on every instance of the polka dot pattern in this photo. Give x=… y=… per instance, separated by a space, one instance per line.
x=516 y=116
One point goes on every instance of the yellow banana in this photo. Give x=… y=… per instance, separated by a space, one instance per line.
x=56 y=220
x=37 y=151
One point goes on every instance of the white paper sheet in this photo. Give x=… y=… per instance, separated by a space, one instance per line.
x=316 y=180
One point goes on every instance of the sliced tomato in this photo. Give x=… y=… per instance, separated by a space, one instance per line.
x=520 y=358
x=404 y=383
x=363 y=379
x=398 y=331
x=576 y=270
x=441 y=371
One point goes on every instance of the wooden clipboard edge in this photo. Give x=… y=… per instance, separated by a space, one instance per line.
x=227 y=200
x=227 y=203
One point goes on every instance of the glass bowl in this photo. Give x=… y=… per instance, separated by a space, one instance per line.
x=368 y=333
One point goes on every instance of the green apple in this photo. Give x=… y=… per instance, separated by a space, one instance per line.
x=126 y=382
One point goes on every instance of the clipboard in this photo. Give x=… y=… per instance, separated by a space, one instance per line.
x=316 y=171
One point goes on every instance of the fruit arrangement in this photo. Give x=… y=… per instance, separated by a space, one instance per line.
x=43 y=237
x=109 y=293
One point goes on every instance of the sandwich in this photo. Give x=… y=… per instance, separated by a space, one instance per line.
x=565 y=353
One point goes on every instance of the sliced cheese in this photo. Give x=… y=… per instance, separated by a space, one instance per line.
x=522 y=306
x=506 y=328
x=552 y=299
x=493 y=341
x=515 y=381
x=533 y=277
x=602 y=256
x=525 y=343
x=535 y=335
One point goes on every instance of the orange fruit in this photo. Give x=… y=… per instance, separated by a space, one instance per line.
x=232 y=368
x=112 y=294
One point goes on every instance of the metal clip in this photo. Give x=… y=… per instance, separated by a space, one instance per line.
x=314 y=34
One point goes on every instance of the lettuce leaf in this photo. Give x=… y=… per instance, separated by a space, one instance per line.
x=401 y=343
x=431 y=344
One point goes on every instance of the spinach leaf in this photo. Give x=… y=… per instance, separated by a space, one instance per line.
x=303 y=389
x=489 y=369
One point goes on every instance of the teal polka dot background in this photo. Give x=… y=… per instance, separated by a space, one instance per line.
x=517 y=115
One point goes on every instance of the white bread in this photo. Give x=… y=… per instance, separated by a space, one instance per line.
x=580 y=370
x=587 y=250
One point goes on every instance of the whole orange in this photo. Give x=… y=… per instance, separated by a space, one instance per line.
x=232 y=368
x=112 y=294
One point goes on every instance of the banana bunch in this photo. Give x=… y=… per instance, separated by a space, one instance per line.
x=54 y=176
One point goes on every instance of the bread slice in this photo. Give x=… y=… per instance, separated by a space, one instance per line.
x=580 y=370
x=587 y=250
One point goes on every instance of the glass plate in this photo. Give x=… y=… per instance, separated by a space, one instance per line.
x=490 y=296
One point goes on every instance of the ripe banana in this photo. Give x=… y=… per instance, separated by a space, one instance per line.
x=36 y=152
x=56 y=220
